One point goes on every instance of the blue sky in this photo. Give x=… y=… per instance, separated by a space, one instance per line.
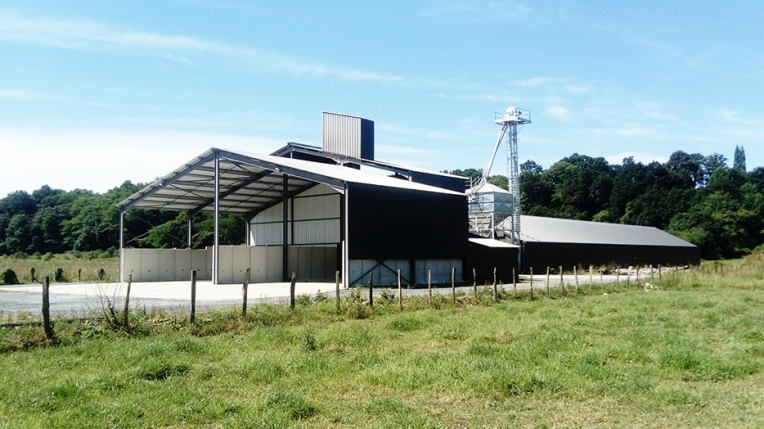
x=93 y=93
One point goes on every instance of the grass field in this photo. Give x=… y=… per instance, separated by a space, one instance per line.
x=75 y=269
x=689 y=354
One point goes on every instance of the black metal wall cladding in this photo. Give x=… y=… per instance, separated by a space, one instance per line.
x=484 y=259
x=541 y=255
x=391 y=223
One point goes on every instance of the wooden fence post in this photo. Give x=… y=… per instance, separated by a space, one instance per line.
x=79 y=274
x=638 y=268
x=337 y=290
x=291 y=290
x=628 y=277
x=400 y=291
x=652 y=275
x=46 y=308
x=617 y=276
x=514 y=280
x=591 y=273
x=371 y=289
x=495 y=290
x=531 y=282
x=429 y=284
x=575 y=273
x=602 y=282
x=474 y=281
x=453 y=284
x=244 y=290
x=193 y=296
x=547 y=281
x=562 y=282
x=125 y=311
x=660 y=272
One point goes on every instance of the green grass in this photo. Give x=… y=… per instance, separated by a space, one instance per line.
x=46 y=265
x=690 y=354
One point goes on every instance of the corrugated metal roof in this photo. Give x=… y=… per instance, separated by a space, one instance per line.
x=488 y=242
x=553 y=230
x=250 y=182
x=308 y=149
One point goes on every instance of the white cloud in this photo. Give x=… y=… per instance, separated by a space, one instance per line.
x=101 y=160
x=732 y=116
x=86 y=34
x=559 y=112
x=634 y=131
x=534 y=81
x=18 y=94
x=575 y=89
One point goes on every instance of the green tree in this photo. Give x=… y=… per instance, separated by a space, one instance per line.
x=739 y=161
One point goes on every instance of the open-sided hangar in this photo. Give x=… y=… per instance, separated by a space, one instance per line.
x=311 y=211
x=315 y=211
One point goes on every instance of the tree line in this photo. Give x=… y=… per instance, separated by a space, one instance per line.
x=699 y=198
x=719 y=208
x=55 y=221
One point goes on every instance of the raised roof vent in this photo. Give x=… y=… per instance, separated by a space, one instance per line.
x=348 y=135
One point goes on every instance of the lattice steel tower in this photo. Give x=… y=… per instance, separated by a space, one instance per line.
x=509 y=119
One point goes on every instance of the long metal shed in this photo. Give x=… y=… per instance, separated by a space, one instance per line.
x=381 y=217
x=552 y=242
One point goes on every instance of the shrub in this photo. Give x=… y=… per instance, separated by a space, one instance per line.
x=19 y=255
x=309 y=342
x=47 y=257
x=320 y=297
x=303 y=300
x=58 y=275
x=101 y=273
x=32 y=274
x=9 y=277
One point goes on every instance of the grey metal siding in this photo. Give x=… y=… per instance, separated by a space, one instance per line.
x=316 y=220
x=348 y=135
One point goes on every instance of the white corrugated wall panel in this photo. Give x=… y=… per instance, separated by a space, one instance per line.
x=320 y=189
x=342 y=134
x=317 y=232
x=316 y=207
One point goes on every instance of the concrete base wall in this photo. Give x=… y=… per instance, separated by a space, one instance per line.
x=311 y=263
x=162 y=265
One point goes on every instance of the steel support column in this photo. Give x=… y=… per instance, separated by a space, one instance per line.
x=345 y=247
x=285 y=230
x=190 y=222
x=121 y=243
x=216 y=246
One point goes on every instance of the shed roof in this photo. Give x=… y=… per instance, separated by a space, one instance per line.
x=250 y=183
x=489 y=242
x=313 y=150
x=553 y=230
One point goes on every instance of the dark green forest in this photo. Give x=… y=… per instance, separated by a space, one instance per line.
x=54 y=221
x=699 y=198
